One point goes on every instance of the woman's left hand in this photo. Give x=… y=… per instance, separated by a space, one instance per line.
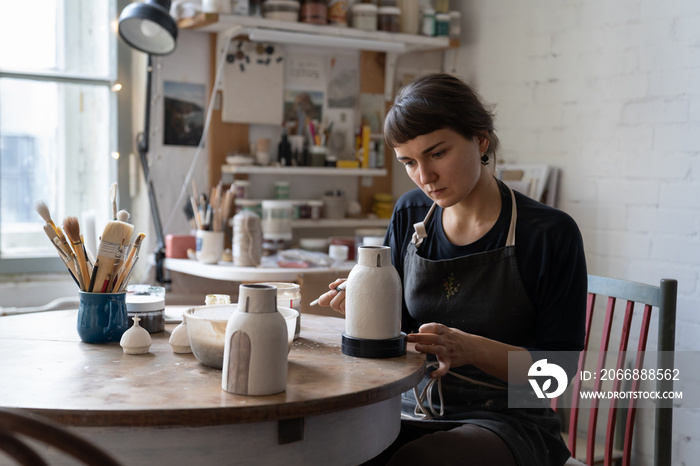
x=450 y=345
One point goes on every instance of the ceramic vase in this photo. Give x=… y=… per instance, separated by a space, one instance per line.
x=373 y=296
x=256 y=344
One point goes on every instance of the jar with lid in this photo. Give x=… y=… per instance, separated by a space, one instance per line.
x=318 y=155
x=338 y=12
x=364 y=16
x=389 y=18
x=281 y=10
x=282 y=189
x=428 y=22
x=314 y=12
x=455 y=24
x=442 y=24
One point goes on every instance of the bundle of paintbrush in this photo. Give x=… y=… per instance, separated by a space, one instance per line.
x=110 y=272
x=214 y=212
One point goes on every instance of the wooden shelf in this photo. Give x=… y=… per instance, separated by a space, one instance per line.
x=218 y=23
x=342 y=223
x=301 y=171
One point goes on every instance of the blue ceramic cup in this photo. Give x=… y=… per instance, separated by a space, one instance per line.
x=102 y=317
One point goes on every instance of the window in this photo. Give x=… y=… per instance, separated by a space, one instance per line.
x=57 y=116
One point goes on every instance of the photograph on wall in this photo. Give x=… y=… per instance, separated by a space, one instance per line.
x=183 y=121
x=300 y=108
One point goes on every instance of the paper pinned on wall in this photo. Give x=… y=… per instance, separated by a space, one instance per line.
x=305 y=72
x=253 y=85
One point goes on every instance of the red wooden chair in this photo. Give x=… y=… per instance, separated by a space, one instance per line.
x=662 y=297
x=16 y=427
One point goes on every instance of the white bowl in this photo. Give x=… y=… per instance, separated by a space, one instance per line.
x=206 y=327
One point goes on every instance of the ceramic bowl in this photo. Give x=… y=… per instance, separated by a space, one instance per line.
x=206 y=327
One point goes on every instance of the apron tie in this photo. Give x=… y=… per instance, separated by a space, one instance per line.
x=420 y=412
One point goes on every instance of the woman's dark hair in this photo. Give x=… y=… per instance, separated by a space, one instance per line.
x=438 y=101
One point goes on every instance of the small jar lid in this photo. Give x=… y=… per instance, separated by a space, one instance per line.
x=143 y=303
x=389 y=10
x=442 y=16
x=241 y=182
x=315 y=202
x=364 y=8
x=282 y=183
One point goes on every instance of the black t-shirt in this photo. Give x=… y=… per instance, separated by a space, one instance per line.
x=549 y=252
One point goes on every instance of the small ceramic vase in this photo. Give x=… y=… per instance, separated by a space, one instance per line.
x=256 y=344
x=373 y=296
x=179 y=339
x=136 y=340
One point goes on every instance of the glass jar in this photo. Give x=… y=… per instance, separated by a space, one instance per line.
x=364 y=16
x=314 y=12
x=455 y=24
x=389 y=18
x=442 y=24
x=277 y=219
x=338 y=12
x=428 y=22
x=281 y=10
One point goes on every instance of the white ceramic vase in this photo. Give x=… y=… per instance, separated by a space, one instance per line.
x=256 y=344
x=373 y=296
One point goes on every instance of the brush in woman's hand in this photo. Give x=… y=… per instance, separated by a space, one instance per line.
x=115 y=238
x=72 y=227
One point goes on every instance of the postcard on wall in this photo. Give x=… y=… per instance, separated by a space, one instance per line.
x=305 y=72
x=302 y=107
x=253 y=84
x=372 y=111
x=183 y=121
x=343 y=81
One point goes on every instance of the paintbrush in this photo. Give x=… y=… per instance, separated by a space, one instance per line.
x=72 y=228
x=125 y=271
x=113 y=198
x=43 y=211
x=338 y=288
x=115 y=236
x=51 y=233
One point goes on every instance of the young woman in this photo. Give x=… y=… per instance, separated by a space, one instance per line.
x=485 y=271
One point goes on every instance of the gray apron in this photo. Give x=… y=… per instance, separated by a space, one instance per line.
x=481 y=294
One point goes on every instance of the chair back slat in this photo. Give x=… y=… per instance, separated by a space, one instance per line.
x=573 y=419
x=620 y=364
x=598 y=382
x=638 y=364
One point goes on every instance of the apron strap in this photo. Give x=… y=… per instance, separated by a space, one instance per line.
x=510 y=240
x=420 y=233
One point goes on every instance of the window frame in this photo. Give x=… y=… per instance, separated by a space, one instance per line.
x=121 y=109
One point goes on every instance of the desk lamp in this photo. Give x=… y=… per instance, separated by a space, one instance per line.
x=148 y=27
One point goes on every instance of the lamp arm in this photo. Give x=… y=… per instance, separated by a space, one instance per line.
x=143 y=146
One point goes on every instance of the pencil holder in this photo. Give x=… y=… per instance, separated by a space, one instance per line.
x=210 y=246
x=102 y=317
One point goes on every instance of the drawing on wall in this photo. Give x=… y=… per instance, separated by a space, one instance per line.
x=183 y=121
x=372 y=111
x=343 y=82
x=301 y=107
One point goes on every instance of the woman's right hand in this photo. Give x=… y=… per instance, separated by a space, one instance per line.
x=334 y=298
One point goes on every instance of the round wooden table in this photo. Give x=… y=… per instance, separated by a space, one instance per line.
x=167 y=408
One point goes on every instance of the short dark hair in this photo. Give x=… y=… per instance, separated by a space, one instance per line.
x=438 y=101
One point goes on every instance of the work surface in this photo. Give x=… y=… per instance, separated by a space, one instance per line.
x=46 y=369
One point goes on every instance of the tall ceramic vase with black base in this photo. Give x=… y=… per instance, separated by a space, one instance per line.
x=373 y=306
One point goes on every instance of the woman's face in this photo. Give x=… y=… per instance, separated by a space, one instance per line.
x=444 y=164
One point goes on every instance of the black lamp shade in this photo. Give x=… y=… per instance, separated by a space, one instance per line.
x=148 y=27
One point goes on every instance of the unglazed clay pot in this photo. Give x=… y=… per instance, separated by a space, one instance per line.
x=255 y=345
x=373 y=296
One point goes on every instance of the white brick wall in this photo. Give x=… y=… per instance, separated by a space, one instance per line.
x=610 y=93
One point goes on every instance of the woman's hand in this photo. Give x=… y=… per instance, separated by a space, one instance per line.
x=334 y=298
x=450 y=345
x=455 y=348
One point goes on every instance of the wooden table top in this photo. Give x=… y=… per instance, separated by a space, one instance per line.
x=45 y=368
